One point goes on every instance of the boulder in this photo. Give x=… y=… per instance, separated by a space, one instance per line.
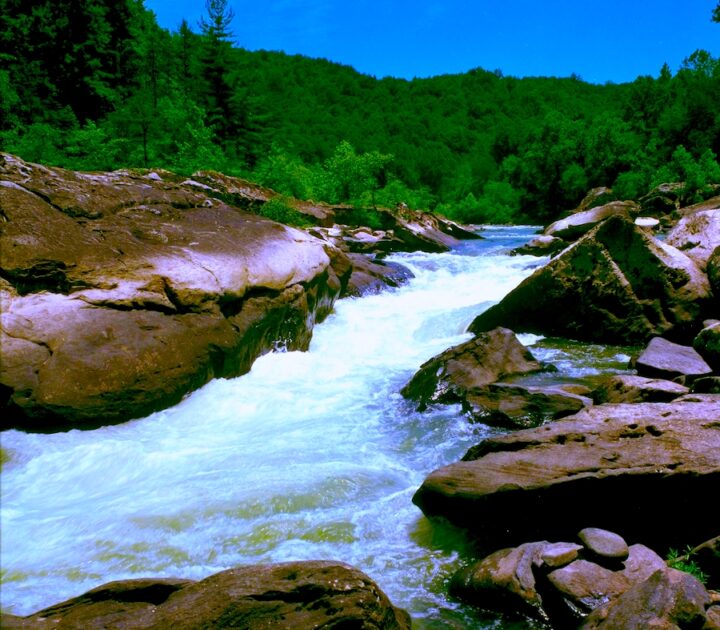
x=665 y=359
x=371 y=275
x=550 y=581
x=485 y=359
x=603 y=544
x=663 y=199
x=712 y=618
x=667 y=599
x=574 y=226
x=122 y=293
x=707 y=557
x=698 y=235
x=613 y=466
x=627 y=388
x=713 y=273
x=707 y=345
x=293 y=595
x=595 y=197
x=543 y=245
x=517 y=406
x=615 y=285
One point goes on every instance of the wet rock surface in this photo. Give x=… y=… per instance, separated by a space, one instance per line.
x=617 y=284
x=612 y=466
x=294 y=595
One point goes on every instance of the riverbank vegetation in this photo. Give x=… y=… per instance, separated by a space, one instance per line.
x=94 y=84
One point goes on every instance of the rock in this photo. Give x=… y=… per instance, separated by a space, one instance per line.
x=707 y=345
x=371 y=275
x=627 y=388
x=698 y=235
x=548 y=581
x=543 y=245
x=712 y=618
x=649 y=223
x=665 y=359
x=663 y=199
x=121 y=294
x=293 y=595
x=485 y=359
x=579 y=223
x=615 y=285
x=713 y=272
x=667 y=599
x=503 y=581
x=516 y=406
x=610 y=466
x=595 y=197
x=604 y=544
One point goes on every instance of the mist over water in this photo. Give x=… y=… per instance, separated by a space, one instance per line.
x=311 y=455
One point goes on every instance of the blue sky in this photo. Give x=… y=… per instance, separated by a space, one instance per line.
x=608 y=40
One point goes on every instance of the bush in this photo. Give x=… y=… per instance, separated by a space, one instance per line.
x=278 y=209
x=683 y=562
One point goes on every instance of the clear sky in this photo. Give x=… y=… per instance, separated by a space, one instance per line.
x=600 y=40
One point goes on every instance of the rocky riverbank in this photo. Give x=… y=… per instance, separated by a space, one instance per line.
x=641 y=457
x=124 y=291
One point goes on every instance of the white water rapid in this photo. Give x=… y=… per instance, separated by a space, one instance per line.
x=311 y=455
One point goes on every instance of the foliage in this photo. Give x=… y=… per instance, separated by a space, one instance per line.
x=682 y=561
x=279 y=209
x=97 y=84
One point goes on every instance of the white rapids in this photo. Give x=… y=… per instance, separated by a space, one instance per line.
x=312 y=455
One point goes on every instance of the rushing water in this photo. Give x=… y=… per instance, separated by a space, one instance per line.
x=309 y=456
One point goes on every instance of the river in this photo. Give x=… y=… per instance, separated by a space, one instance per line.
x=312 y=455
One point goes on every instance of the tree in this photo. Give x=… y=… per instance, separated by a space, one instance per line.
x=716 y=13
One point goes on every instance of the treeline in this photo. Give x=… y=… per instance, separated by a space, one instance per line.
x=97 y=84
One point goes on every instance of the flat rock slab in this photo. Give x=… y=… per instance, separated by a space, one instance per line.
x=287 y=596
x=665 y=359
x=611 y=466
x=628 y=388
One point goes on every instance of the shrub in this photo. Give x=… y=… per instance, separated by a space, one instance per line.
x=278 y=209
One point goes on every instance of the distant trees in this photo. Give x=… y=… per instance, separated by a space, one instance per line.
x=98 y=84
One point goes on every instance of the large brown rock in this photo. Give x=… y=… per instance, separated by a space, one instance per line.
x=628 y=388
x=615 y=285
x=611 y=466
x=697 y=235
x=291 y=596
x=485 y=359
x=579 y=223
x=370 y=275
x=667 y=599
x=665 y=359
x=123 y=292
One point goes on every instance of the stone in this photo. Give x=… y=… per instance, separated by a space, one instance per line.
x=628 y=388
x=707 y=345
x=543 y=245
x=713 y=273
x=517 y=406
x=698 y=235
x=667 y=599
x=121 y=294
x=712 y=618
x=292 y=596
x=485 y=359
x=611 y=466
x=503 y=581
x=615 y=285
x=370 y=275
x=579 y=223
x=665 y=359
x=603 y=543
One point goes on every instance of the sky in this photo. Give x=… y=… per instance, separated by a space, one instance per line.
x=598 y=40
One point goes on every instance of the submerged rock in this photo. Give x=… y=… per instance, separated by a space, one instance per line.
x=611 y=466
x=291 y=596
x=615 y=285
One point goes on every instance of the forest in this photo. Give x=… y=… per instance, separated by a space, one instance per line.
x=99 y=85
